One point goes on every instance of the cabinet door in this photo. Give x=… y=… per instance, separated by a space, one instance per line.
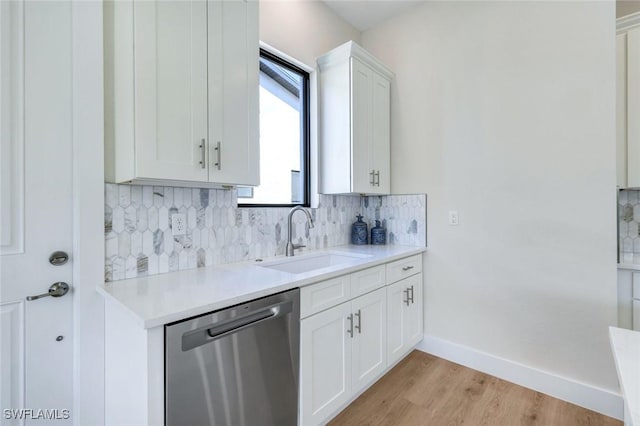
x=361 y=169
x=397 y=303
x=404 y=316
x=170 y=86
x=233 y=92
x=369 y=340
x=325 y=363
x=633 y=108
x=413 y=312
x=380 y=149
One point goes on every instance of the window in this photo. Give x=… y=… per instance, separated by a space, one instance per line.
x=284 y=136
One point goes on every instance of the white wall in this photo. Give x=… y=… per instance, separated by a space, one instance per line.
x=303 y=29
x=627 y=7
x=504 y=111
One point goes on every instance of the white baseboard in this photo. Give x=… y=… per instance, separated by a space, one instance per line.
x=593 y=398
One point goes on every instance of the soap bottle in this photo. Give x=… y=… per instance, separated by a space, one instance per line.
x=359 y=232
x=378 y=234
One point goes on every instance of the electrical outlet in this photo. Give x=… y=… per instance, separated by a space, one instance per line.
x=454 y=220
x=178 y=224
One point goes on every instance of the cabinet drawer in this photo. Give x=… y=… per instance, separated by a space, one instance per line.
x=368 y=280
x=317 y=297
x=403 y=268
x=636 y=285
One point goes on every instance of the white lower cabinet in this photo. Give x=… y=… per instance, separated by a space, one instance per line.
x=342 y=350
x=347 y=345
x=368 y=353
x=325 y=363
x=404 y=319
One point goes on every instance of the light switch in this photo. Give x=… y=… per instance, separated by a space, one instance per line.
x=454 y=220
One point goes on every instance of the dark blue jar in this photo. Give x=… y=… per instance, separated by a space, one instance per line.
x=359 y=231
x=378 y=234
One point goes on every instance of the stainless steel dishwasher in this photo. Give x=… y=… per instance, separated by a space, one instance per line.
x=235 y=367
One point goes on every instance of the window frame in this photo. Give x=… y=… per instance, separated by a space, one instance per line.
x=305 y=148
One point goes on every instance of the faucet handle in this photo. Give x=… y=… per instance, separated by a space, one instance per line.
x=297 y=246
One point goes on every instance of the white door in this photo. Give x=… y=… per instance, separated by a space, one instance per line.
x=325 y=363
x=36 y=341
x=171 y=89
x=234 y=154
x=369 y=350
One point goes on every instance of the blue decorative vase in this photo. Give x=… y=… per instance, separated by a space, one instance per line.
x=378 y=234
x=359 y=232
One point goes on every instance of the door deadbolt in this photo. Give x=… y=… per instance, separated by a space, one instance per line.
x=58 y=258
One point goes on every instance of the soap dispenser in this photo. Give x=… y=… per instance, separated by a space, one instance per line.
x=359 y=231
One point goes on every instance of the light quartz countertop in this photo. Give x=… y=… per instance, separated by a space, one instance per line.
x=161 y=299
x=625 y=345
x=630 y=266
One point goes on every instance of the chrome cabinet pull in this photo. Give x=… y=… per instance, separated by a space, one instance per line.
x=406 y=268
x=359 y=326
x=372 y=179
x=203 y=154
x=58 y=289
x=377 y=175
x=406 y=292
x=411 y=289
x=350 y=330
x=218 y=162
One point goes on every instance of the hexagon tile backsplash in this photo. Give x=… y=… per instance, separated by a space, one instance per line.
x=629 y=225
x=139 y=240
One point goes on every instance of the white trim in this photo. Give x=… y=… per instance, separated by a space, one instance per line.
x=625 y=23
x=584 y=395
x=352 y=49
x=88 y=212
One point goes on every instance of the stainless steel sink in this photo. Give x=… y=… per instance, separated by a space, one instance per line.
x=312 y=262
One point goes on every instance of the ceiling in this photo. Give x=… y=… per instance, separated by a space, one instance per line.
x=364 y=14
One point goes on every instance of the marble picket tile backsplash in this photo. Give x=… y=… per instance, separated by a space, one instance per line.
x=139 y=241
x=629 y=225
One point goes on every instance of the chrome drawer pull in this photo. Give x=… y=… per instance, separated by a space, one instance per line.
x=406 y=268
x=359 y=326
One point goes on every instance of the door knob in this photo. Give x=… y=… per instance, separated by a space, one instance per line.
x=58 y=289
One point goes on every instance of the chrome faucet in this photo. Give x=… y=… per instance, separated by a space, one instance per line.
x=290 y=246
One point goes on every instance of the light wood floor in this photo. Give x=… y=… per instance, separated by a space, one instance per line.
x=425 y=390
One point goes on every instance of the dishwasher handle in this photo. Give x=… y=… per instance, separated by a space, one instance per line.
x=207 y=334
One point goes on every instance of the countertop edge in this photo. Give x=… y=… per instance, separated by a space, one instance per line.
x=617 y=340
x=148 y=323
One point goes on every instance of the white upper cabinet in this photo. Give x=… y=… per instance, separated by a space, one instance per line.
x=621 y=110
x=354 y=140
x=628 y=108
x=181 y=92
x=234 y=55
